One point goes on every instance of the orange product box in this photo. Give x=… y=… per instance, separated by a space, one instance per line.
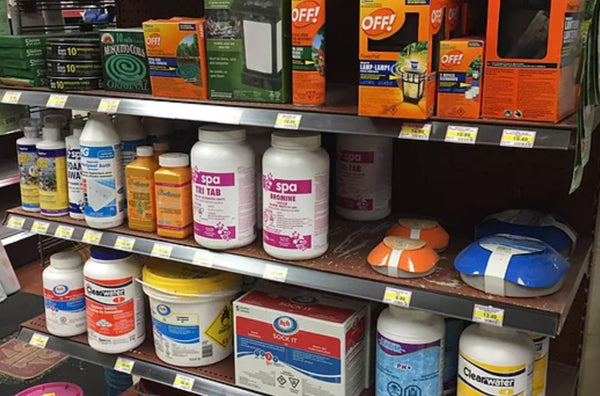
x=460 y=77
x=398 y=45
x=532 y=59
x=177 y=57
x=454 y=22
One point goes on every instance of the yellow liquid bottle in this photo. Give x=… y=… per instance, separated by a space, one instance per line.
x=174 y=196
x=139 y=175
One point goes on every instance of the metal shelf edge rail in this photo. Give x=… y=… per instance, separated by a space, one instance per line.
x=141 y=368
x=526 y=319
x=485 y=133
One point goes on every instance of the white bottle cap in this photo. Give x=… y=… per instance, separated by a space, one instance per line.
x=66 y=260
x=160 y=146
x=51 y=133
x=410 y=314
x=174 y=160
x=144 y=151
x=296 y=140
x=31 y=132
x=216 y=133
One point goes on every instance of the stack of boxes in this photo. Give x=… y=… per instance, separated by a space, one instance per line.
x=23 y=60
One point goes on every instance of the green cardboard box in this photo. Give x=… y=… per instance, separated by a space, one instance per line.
x=24 y=73
x=23 y=63
x=124 y=60
x=23 y=53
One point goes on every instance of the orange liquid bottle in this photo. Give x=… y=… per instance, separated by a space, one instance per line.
x=139 y=175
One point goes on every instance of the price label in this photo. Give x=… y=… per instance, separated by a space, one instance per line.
x=40 y=227
x=16 y=222
x=415 y=131
x=108 y=105
x=11 y=97
x=38 y=340
x=124 y=243
x=397 y=297
x=488 y=315
x=161 y=250
x=516 y=138
x=461 y=134
x=183 y=382
x=288 y=121
x=275 y=272
x=124 y=365
x=57 y=101
x=92 y=237
x=64 y=232
x=232 y=116
x=204 y=258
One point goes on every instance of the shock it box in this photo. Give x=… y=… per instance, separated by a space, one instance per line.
x=300 y=342
x=532 y=59
x=398 y=52
x=460 y=78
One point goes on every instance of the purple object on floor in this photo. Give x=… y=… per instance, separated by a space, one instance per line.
x=55 y=388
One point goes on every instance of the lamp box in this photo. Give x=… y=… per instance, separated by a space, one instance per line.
x=532 y=59
x=460 y=76
x=248 y=49
x=398 y=52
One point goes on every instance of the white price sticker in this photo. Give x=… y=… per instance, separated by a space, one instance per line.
x=124 y=365
x=183 y=382
x=92 y=237
x=63 y=231
x=397 y=297
x=108 y=105
x=415 y=131
x=57 y=101
x=275 y=272
x=204 y=258
x=461 y=134
x=39 y=340
x=40 y=227
x=488 y=315
x=288 y=121
x=11 y=97
x=516 y=138
x=16 y=222
x=161 y=250
x=124 y=243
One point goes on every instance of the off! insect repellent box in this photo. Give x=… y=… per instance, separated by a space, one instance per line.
x=176 y=57
x=398 y=52
x=532 y=59
x=300 y=342
x=248 y=47
x=460 y=77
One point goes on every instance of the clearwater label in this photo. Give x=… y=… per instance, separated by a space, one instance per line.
x=479 y=379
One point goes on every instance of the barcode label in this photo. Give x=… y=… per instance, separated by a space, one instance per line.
x=207 y=351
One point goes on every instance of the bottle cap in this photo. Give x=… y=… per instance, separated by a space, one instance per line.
x=31 y=132
x=216 y=133
x=51 y=133
x=296 y=140
x=144 y=151
x=106 y=254
x=66 y=260
x=174 y=160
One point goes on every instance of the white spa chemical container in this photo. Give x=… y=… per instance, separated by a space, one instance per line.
x=64 y=296
x=76 y=197
x=114 y=301
x=192 y=319
x=260 y=140
x=223 y=188
x=363 y=177
x=496 y=360
x=101 y=173
x=27 y=157
x=409 y=354
x=295 y=196
x=52 y=171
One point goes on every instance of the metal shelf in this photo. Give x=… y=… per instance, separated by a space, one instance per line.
x=217 y=379
x=339 y=116
x=342 y=270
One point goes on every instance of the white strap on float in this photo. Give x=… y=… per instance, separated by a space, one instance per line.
x=393 y=261
x=496 y=269
x=415 y=233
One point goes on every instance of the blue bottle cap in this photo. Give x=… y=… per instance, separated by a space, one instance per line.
x=106 y=254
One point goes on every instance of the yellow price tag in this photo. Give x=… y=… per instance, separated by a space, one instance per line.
x=488 y=315
x=92 y=237
x=461 y=134
x=124 y=243
x=57 y=101
x=39 y=340
x=11 y=97
x=64 y=232
x=275 y=273
x=183 y=382
x=516 y=138
x=161 y=250
x=204 y=258
x=288 y=121
x=16 y=222
x=108 y=105
x=124 y=365
x=40 y=227
x=397 y=297
x=415 y=131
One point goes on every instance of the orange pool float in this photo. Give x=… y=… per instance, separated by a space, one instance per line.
x=429 y=231
x=402 y=257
